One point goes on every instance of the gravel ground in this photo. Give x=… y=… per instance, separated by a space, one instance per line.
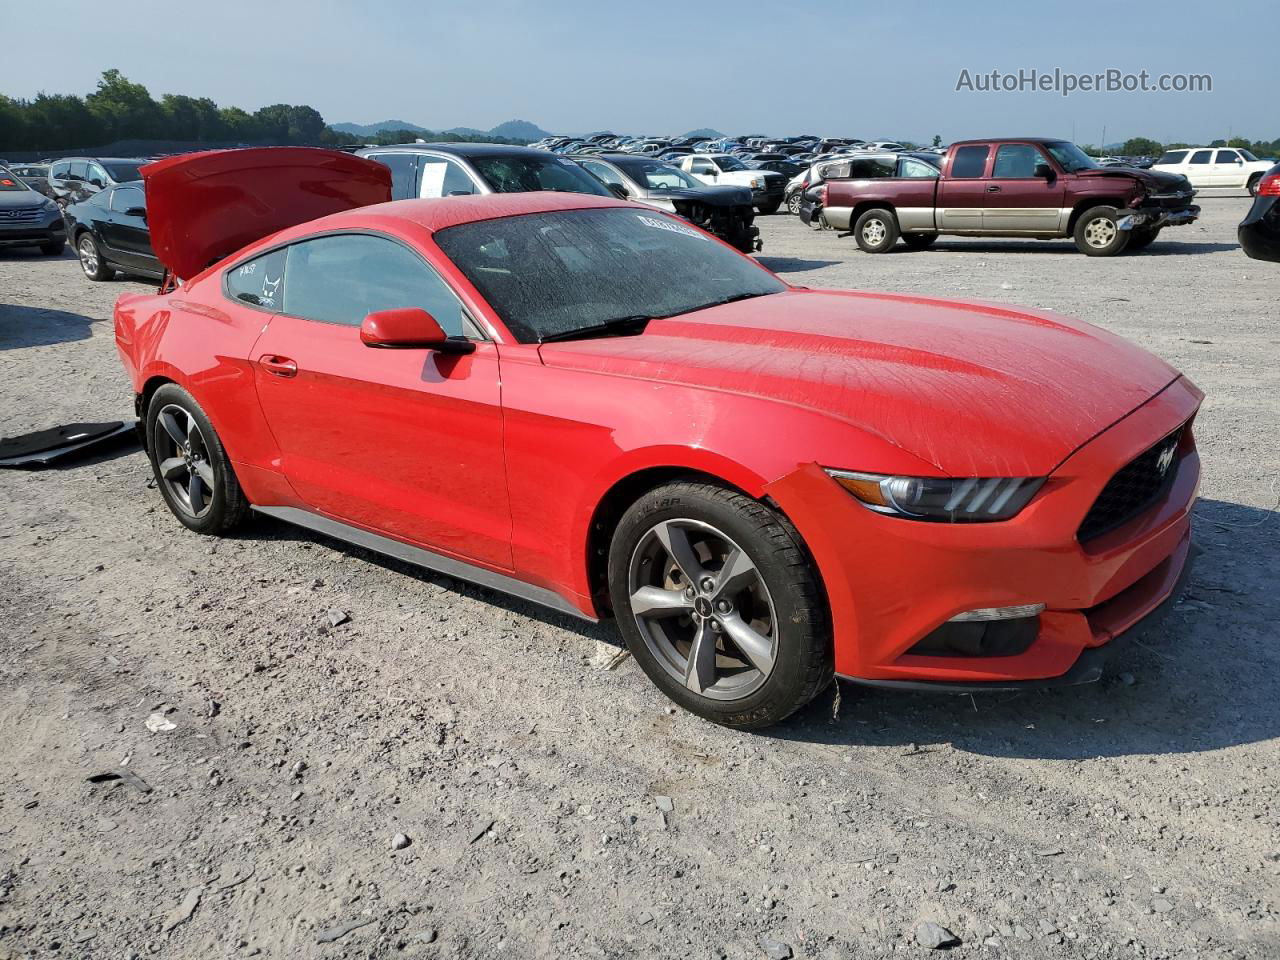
x=448 y=773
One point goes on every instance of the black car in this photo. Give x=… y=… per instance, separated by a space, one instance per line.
x=73 y=179
x=34 y=175
x=785 y=167
x=28 y=218
x=1259 y=232
x=724 y=211
x=460 y=169
x=109 y=232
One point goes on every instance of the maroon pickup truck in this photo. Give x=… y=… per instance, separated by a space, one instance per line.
x=1030 y=187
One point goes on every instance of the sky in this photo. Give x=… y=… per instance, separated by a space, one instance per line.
x=831 y=68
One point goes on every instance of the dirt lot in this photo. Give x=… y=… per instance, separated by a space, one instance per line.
x=556 y=807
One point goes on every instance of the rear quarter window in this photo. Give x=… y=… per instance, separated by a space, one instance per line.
x=259 y=282
x=970 y=163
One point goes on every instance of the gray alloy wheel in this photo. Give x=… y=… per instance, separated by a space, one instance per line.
x=1099 y=232
x=1252 y=186
x=91 y=261
x=182 y=459
x=703 y=609
x=793 y=203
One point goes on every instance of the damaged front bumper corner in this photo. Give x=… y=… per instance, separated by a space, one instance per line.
x=1155 y=219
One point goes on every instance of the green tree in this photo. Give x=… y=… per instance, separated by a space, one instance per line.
x=1141 y=147
x=937 y=139
x=188 y=118
x=61 y=121
x=125 y=108
x=14 y=129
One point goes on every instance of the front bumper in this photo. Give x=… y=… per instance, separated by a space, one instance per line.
x=50 y=229
x=770 y=195
x=891 y=582
x=1155 y=218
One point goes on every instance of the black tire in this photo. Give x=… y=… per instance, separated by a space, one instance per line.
x=794 y=202
x=1253 y=184
x=226 y=506
x=1142 y=239
x=769 y=209
x=1093 y=236
x=876 y=230
x=92 y=262
x=919 y=241
x=54 y=248
x=801 y=657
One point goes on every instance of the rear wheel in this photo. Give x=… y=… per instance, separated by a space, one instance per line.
x=91 y=260
x=720 y=604
x=191 y=467
x=1098 y=235
x=876 y=231
x=919 y=241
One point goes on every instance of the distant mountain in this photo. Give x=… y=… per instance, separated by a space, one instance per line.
x=369 y=129
x=513 y=129
x=519 y=130
x=706 y=133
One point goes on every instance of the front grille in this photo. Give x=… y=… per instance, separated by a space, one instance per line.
x=1134 y=488
x=19 y=214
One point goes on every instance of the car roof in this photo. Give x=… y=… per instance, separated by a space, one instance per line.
x=443 y=212
x=961 y=143
x=465 y=149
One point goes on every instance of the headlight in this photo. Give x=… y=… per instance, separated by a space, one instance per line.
x=949 y=499
x=48 y=204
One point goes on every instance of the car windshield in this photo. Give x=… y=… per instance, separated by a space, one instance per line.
x=550 y=274
x=659 y=176
x=123 y=172
x=10 y=182
x=1071 y=157
x=528 y=174
x=731 y=163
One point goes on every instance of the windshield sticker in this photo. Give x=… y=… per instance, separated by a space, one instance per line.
x=670 y=227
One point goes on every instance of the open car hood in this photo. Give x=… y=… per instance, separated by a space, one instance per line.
x=202 y=207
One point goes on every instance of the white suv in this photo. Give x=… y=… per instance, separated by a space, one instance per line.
x=720 y=169
x=1215 y=167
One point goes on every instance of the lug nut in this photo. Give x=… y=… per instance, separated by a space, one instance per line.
x=723 y=606
x=708 y=584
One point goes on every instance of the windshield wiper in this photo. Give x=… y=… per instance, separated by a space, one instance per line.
x=734 y=299
x=618 y=325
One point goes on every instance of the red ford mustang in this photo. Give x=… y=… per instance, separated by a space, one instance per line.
x=600 y=408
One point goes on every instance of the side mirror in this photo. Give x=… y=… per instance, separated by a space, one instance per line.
x=410 y=328
x=619 y=191
x=136 y=212
x=95 y=182
x=1044 y=171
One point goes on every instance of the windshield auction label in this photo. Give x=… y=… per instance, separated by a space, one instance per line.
x=672 y=227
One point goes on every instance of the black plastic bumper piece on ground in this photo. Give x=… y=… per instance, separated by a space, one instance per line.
x=1088 y=667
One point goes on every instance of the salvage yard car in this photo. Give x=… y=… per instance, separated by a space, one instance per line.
x=28 y=218
x=1034 y=188
x=602 y=409
x=73 y=179
x=1215 y=167
x=109 y=233
x=720 y=169
x=1259 y=232
x=462 y=169
x=725 y=212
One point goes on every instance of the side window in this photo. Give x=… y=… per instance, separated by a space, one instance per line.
x=343 y=278
x=260 y=281
x=402 y=167
x=95 y=174
x=702 y=166
x=1201 y=156
x=443 y=178
x=603 y=171
x=1015 y=161
x=1173 y=156
x=969 y=163
x=914 y=169
x=872 y=168
x=1227 y=156
x=126 y=198
x=79 y=170
x=59 y=170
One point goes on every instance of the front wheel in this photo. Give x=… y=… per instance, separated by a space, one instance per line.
x=91 y=259
x=191 y=467
x=720 y=605
x=1253 y=184
x=794 y=203
x=769 y=209
x=1098 y=235
x=876 y=231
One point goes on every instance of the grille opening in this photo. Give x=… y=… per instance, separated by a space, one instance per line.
x=1134 y=489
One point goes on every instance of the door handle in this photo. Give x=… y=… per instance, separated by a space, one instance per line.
x=993 y=189
x=278 y=366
